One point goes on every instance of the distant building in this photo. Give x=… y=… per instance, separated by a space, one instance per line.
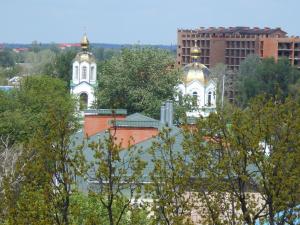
x=15 y=81
x=84 y=76
x=68 y=45
x=6 y=88
x=18 y=50
x=232 y=45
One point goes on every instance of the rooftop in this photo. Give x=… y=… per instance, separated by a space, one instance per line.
x=235 y=30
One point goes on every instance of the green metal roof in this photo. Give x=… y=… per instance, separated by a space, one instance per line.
x=137 y=120
x=106 y=111
x=131 y=123
x=139 y=117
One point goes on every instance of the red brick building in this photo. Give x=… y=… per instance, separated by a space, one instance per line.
x=128 y=130
x=232 y=45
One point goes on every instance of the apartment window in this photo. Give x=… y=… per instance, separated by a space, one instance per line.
x=84 y=73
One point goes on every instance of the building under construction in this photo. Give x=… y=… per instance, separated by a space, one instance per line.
x=232 y=45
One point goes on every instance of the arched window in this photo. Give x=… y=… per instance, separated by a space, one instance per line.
x=84 y=72
x=195 y=98
x=83 y=101
x=76 y=72
x=92 y=73
x=209 y=99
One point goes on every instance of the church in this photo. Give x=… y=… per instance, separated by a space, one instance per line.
x=198 y=83
x=84 y=76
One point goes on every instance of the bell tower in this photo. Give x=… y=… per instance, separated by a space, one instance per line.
x=84 y=75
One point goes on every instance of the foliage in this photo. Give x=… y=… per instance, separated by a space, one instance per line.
x=103 y=54
x=117 y=176
x=138 y=79
x=265 y=76
x=89 y=210
x=248 y=157
x=170 y=178
x=45 y=170
x=6 y=58
x=61 y=65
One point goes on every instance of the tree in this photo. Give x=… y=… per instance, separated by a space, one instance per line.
x=138 y=79
x=250 y=158
x=117 y=174
x=6 y=58
x=265 y=76
x=47 y=165
x=170 y=179
x=61 y=65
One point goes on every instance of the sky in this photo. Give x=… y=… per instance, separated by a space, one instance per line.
x=136 y=21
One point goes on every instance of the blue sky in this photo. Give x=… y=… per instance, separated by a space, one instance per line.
x=136 y=21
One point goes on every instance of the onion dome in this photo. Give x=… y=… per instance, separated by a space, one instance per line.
x=196 y=71
x=85 y=44
x=85 y=55
x=195 y=53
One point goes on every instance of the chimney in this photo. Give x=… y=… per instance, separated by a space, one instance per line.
x=169 y=113
x=166 y=113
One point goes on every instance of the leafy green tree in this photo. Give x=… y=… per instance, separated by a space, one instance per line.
x=47 y=165
x=117 y=174
x=265 y=76
x=250 y=158
x=170 y=179
x=103 y=54
x=88 y=210
x=61 y=65
x=6 y=58
x=138 y=79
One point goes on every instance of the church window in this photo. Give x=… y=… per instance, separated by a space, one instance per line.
x=92 y=73
x=76 y=72
x=209 y=99
x=195 y=98
x=84 y=72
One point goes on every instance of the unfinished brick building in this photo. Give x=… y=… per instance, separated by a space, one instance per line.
x=232 y=45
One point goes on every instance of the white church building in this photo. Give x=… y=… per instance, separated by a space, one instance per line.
x=198 y=83
x=84 y=76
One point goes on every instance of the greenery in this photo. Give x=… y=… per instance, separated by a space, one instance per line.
x=266 y=76
x=250 y=163
x=6 y=58
x=118 y=175
x=237 y=166
x=149 y=78
x=37 y=187
x=169 y=182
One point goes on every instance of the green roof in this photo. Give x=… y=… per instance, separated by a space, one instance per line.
x=137 y=120
x=125 y=123
x=139 y=117
x=106 y=111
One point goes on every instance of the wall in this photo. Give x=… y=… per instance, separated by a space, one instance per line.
x=96 y=123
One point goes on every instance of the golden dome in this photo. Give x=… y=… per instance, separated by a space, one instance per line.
x=195 y=52
x=196 y=71
x=85 y=42
x=85 y=56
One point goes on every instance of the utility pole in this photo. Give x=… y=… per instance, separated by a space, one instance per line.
x=223 y=87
